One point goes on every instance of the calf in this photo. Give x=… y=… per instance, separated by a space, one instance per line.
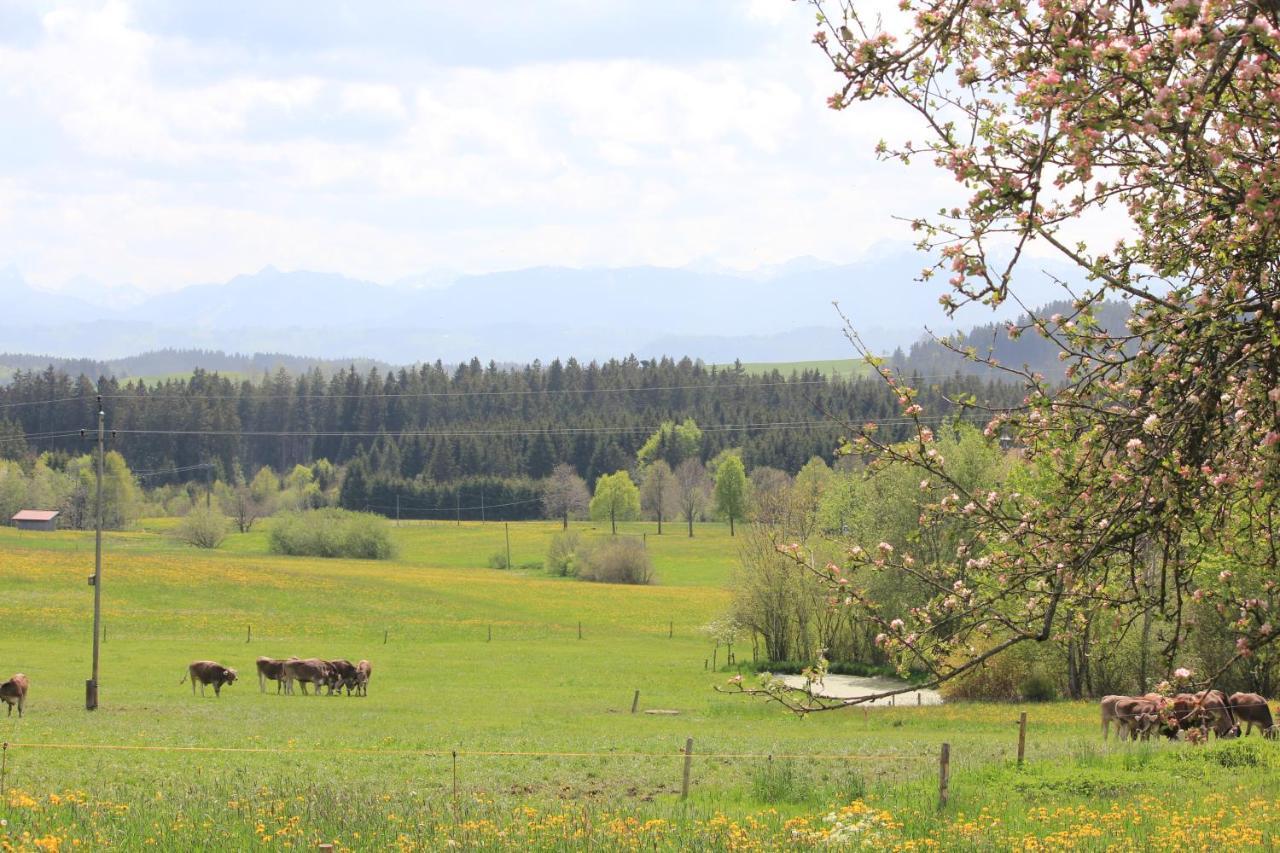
x=14 y=692
x=209 y=672
x=1136 y=717
x=1251 y=709
x=313 y=671
x=364 y=671
x=270 y=669
x=343 y=675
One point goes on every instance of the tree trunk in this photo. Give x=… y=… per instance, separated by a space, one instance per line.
x=690 y=516
x=613 y=521
x=566 y=519
x=659 y=522
x=730 y=524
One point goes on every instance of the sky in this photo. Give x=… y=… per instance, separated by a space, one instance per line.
x=162 y=143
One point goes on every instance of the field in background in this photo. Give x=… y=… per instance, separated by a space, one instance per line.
x=378 y=772
x=845 y=368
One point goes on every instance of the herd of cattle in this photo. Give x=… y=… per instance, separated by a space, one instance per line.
x=1191 y=714
x=332 y=674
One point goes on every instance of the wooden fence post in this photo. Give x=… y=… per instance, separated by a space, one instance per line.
x=688 y=766
x=579 y=630
x=490 y=640
x=944 y=775
x=1022 y=736
x=635 y=702
x=918 y=702
x=385 y=631
x=248 y=637
x=455 y=779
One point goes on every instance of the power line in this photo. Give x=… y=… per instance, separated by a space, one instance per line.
x=622 y=430
x=766 y=426
x=735 y=386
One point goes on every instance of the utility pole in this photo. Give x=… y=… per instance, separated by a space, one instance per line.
x=91 y=686
x=397 y=510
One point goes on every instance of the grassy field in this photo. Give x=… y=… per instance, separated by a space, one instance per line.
x=155 y=765
x=845 y=368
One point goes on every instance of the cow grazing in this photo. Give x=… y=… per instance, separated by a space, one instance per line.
x=14 y=692
x=313 y=671
x=1220 y=717
x=343 y=675
x=1108 y=705
x=270 y=669
x=1251 y=709
x=209 y=672
x=364 y=671
x=1136 y=717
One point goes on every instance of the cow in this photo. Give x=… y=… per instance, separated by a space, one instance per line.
x=313 y=671
x=270 y=669
x=343 y=675
x=1204 y=710
x=1108 y=705
x=1136 y=717
x=1220 y=718
x=209 y=672
x=1251 y=709
x=14 y=692
x=364 y=671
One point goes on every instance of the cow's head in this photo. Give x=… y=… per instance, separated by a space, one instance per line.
x=231 y=676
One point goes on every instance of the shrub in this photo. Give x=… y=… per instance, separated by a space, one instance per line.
x=498 y=560
x=562 y=555
x=617 y=560
x=202 y=527
x=332 y=533
x=1039 y=687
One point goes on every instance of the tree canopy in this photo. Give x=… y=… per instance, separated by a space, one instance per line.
x=616 y=499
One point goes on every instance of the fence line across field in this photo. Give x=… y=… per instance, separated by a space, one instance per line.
x=446 y=753
x=687 y=755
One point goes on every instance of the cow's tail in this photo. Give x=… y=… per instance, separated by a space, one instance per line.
x=184 y=677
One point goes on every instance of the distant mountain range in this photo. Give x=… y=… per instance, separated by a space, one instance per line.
x=781 y=313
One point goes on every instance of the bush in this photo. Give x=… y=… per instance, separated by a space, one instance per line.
x=331 y=533
x=617 y=560
x=498 y=560
x=562 y=555
x=1039 y=687
x=202 y=527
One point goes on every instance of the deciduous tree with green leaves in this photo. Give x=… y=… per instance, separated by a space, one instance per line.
x=732 y=495
x=616 y=499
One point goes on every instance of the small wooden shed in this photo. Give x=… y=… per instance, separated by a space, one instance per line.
x=36 y=519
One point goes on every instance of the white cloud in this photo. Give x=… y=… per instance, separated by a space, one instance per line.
x=167 y=177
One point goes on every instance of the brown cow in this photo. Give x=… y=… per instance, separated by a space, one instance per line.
x=270 y=669
x=14 y=692
x=364 y=671
x=343 y=675
x=1136 y=717
x=1221 y=720
x=1251 y=709
x=313 y=671
x=209 y=672
x=1108 y=705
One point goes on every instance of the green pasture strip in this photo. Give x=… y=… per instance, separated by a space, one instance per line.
x=485 y=661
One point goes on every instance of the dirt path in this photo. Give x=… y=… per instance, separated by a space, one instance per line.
x=852 y=686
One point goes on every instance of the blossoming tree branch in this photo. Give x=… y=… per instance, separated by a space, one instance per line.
x=1148 y=481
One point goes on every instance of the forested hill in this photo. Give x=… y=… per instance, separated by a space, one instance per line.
x=474 y=421
x=168 y=361
x=928 y=357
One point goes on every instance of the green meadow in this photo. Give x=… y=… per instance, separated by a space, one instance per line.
x=530 y=680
